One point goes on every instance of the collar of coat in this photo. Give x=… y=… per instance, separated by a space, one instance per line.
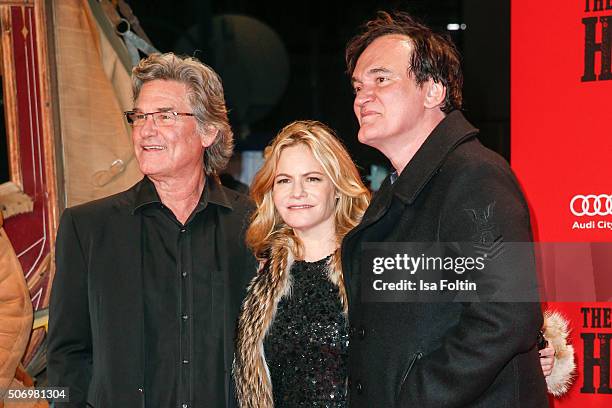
x=272 y=282
x=453 y=130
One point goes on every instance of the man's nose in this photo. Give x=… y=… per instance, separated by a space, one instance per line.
x=149 y=127
x=363 y=96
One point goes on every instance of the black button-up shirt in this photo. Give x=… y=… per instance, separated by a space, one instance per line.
x=183 y=335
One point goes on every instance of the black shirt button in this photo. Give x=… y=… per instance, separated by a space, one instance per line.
x=362 y=333
x=184 y=274
x=359 y=387
x=185 y=317
x=185 y=361
x=183 y=230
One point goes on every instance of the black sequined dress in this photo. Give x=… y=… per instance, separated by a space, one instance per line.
x=306 y=346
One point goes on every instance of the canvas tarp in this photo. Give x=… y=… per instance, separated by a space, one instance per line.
x=94 y=90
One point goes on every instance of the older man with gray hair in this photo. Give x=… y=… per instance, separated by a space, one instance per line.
x=149 y=281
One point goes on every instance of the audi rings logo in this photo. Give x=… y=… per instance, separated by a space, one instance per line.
x=591 y=204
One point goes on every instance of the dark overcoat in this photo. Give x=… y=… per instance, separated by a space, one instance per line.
x=454 y=354
x=96 y=326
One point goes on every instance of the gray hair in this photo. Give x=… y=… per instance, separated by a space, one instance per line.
x=205 y=96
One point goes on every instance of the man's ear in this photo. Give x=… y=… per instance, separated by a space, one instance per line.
x=435 y=95
x=208 y=135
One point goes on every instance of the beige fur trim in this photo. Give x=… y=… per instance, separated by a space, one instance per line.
x=337 y=278
x=556 y=331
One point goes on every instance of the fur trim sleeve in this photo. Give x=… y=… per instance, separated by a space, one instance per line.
x=556 y=330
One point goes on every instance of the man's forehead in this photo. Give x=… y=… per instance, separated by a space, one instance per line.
x=163 y=94
x=387 y=47
x=168 y=84
x=385 y=54
x=393 y=38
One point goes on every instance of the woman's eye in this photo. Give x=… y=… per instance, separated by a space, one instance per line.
x=313 y=179
x=381 y=79
x=282 y=181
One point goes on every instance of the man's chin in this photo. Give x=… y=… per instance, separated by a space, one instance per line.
x=367 y=137
x=150 y=171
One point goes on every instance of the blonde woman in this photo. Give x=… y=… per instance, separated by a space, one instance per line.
x=292 y=337
x=293 y=331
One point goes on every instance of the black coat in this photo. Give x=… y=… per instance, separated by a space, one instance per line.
x=444 y=354
x=96 y=344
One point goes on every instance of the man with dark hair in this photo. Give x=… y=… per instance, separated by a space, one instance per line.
x=149 y=281
x=446 y=187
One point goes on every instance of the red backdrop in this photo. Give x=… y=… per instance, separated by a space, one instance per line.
x=562 y=147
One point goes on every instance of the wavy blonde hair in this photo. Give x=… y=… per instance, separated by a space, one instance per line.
x=267 y=228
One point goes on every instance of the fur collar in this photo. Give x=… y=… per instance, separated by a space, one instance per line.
x=272 y=282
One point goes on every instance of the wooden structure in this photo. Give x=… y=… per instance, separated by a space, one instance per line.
x=65 y=82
